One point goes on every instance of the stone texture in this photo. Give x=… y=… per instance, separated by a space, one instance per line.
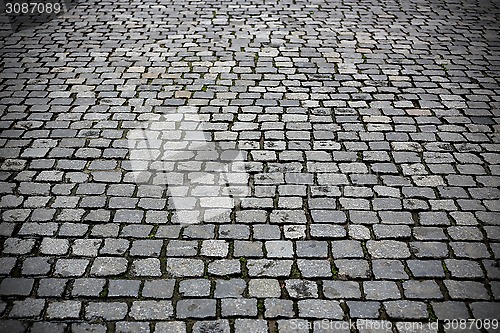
x=205 y=167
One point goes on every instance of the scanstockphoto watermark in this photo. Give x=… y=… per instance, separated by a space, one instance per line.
x=383 y=325
x=366 y=324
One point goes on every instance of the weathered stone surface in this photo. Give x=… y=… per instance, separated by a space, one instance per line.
x=248 y=166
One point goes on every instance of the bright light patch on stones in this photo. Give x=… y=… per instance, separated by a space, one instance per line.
x=204 y=178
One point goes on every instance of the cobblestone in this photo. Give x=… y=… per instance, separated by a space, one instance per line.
x=64 y=310
x=108 y=266
x=151 y=310
x=106 y=311
x=123 y=288
x=406 y=309
x=230 y=288
x=320 y=309
x=196 y=308
x=204 y=167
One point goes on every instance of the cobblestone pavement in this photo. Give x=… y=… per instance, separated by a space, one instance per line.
x=249 y=165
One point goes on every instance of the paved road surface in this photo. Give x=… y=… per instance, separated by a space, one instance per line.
x=245 y=166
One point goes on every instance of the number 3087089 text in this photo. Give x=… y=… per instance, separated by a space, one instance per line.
x=33 y=8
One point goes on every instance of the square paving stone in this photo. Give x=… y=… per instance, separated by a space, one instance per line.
x=28 y=308
x=262 y=288
x=224 y=267
x=158 y=288
x=151 y=310
x=196 y=308
x=315 y=308
x=270 y=268
x=131 y=327
x=312 y=249
x=314 y=268
x=301 y=288
x=352 y=268
x=389 y=270
x=279 y=249
x=16 y=286
x=363 y=309
x=425 y=268
x=404 y=309
x=124 y=288
x=185 y=267
x=50 y=287
x=240 y=307
x=64 y=310
x=42 y=327
x=108 y=266
x=146 y=267
x=381 y=290
x=426 y=289
x=219 y=326
x=106 y=310
x=170 y=327
x=250 y=325
x=460 y=290
x=194 y=288
x=275 y=307
x=87 y=287
x=341 y=289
